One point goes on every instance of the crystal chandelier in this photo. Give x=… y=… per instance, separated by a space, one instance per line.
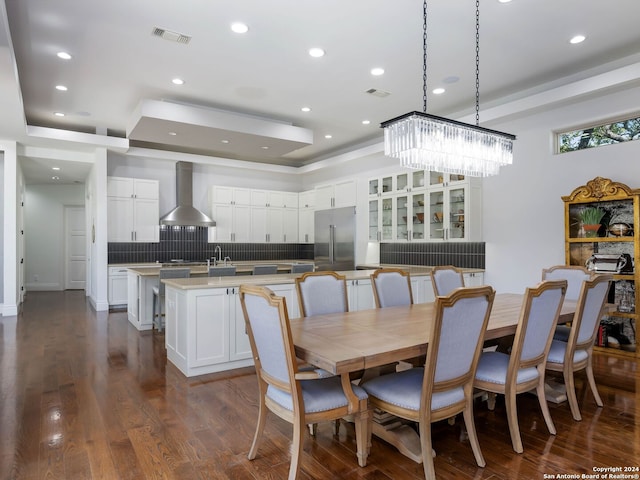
x=429 y=142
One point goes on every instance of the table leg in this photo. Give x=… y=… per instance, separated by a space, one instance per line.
x=361 y=416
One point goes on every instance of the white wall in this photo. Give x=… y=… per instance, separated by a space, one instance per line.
x=523 y=216
x=44 y=233
x=1 y=230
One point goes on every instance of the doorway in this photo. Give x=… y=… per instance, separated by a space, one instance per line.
x=75 y=248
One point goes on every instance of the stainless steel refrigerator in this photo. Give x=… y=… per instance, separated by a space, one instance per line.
x=335 y=239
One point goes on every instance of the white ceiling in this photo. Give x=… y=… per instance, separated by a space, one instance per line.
x=267 y=72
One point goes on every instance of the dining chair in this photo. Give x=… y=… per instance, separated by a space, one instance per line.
x=391 y=287
x=296 y=396
x=446 y=278
x=320 y=293
x=576 y=353
x=222 y=271
x=523 y=369
x=444 y=386
x=574 y=275
x=265 y=269
x=158 y=293
x=302 y=267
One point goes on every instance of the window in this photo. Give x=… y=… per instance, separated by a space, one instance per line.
x=596 y=136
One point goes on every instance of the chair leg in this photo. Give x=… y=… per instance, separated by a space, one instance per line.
x=467 y=414
x=336 y=427
x=592 y=384
x=491 y=400
x=296 y=448
x=313 y=428
x=512 y=420
x=262 y=417
x=544 y=406
x=571 y=394
x=426 y=448
x=153 y=310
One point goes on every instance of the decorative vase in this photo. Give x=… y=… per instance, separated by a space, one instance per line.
x=591 y=230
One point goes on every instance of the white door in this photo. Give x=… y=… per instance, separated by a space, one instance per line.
x=75 y=248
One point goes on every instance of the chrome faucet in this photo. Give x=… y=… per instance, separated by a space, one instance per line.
x=217 y=250
x=227 y=259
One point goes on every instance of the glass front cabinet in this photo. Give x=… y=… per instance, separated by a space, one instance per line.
x=425 y=206
x=600 y=219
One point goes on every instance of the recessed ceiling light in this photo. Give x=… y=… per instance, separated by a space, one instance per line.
x=55 y=168
x=438 y=91
x=239 y=27
x=328 y=136
x=377 y=71
x=578 y=39
x=64 y=55
x=316 y=52
x=366 y=122
x=55 y=177
x=306 y=109
x=62 y=88
x=224 y=141
x=265 y=148
x=504 y=1
x=58 y=114
x=177 y=81
x=173 y=134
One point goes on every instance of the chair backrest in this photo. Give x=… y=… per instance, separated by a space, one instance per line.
x=222 y=271
x=265 y=269
x=391 y=287
x=267 y=323
x=302 y=267
x=586 y=320
x=321 y=292
x=538 y=317
x=445 y=279
x=456 y=340
x=171 y=272
x=573 y=274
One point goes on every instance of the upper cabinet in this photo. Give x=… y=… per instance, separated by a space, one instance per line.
x=421 y=205
x=133 y=210
x=306 y=217
x=601 y=233
x=342 y=194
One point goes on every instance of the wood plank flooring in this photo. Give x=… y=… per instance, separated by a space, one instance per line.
x=84 y=395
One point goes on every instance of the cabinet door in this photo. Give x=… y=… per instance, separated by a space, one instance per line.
x=404 y=219
x=241 y=223
x=239 y=344
x=473 y=279
x=119 y=187
x=259 y=198
x=457 y=213
x=306 y=222
x=386 y=205
x=290 y=227
x=143 y=188
x=374 y=220
x=223 y=215
x=324 y=197
x=275 y=225
x=290 y=200
x=133 y=299
x=307 y=199
x=118 y=286
x=345 y=194
x=210 y=313
x=223 y=195
x=360 y=295
x=259 y=224
x=119 y=219
x=146 y=217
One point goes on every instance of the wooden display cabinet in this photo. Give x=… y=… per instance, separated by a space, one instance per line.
x=621 y=207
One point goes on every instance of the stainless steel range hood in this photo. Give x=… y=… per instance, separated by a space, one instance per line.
x=185 y=214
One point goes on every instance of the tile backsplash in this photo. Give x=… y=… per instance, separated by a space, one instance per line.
x=190 y=244
x=464 y=255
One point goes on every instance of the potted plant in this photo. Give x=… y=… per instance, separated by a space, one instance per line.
x=590 y=218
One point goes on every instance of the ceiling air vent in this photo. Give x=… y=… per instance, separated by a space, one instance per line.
x=377 y=93
x=171 y=36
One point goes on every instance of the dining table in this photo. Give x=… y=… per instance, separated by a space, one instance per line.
x=342 y=343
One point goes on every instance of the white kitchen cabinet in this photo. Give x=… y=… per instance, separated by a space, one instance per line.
x=230 y=195
x=133 y=210
x=454 y=211
x=140 y=300
x=342 y=194
x=233 y=223
x=290 y=225
x=473 y=279
x=205 y=328
x=360 y=295
x=307 y=199
x=118 y=286
x=381 y=219
x=306 y=216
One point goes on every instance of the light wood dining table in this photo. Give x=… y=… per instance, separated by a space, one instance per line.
x=342 y=343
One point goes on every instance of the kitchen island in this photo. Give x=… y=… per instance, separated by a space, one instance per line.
x=204 y=324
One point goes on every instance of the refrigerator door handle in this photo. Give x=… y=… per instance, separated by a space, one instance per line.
x=332 y=242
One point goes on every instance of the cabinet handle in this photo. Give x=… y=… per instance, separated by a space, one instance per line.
x=306 y=238
x=285 y=238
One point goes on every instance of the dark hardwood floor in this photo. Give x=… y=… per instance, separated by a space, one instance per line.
x=84 y=395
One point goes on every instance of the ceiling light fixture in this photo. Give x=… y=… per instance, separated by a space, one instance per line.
x=177 y=81
x=577 y=39
x=366 y=122
x=64 y=55
x=62 y=88
x=58 y=114
x=376 y=72
x=316 y=52
x=438 y=91
x=328 y=136
x=429 y=142
x=306 y=109
x=55 y=168
x=239 y=27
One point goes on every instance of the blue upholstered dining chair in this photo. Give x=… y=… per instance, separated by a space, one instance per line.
x=391 y=287
x=523 y=370
x=574 y=275
x=298 y=397
x=157 y=308
x=576 y=353
x=320 y=293
x=444 y=386
x=446 y=278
